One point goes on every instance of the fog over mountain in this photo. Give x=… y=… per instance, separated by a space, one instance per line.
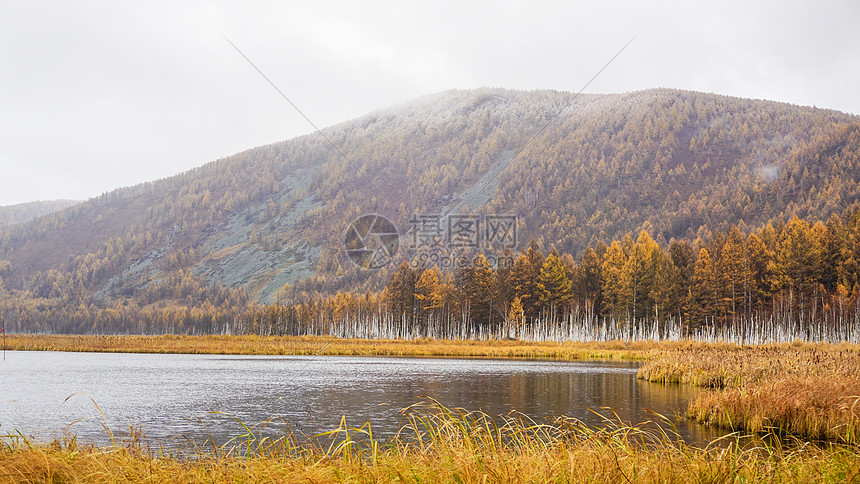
x=23 y=212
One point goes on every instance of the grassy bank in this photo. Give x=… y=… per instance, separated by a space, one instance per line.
x=325 y=345
x=809 y=390
x=442 y=446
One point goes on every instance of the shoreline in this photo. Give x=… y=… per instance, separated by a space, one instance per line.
x=333 y=346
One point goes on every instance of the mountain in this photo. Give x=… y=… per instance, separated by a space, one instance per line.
x=269 y=222
x=23 y=212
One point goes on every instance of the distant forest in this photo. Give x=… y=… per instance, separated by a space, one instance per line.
x=24 y=212
x=797 y=278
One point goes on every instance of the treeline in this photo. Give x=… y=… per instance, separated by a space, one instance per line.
x=783 y=281
x=178 y=303
x=779 y=282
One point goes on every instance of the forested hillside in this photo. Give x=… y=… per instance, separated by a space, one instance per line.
x=777 y=283
x=795 y=280
x=23 y=212
x=267 y=224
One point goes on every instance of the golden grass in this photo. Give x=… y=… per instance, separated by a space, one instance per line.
x=814 y=408
x=442 y=445
x=728 y=365
x=327 y=345
x=809 y=390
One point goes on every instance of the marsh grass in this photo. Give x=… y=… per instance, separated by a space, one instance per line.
x=814 y=408
x=807 y=390
x=334 y=346
x=439 y=444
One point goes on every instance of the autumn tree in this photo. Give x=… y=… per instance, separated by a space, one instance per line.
x=798 y=262
x=759 y=266
x=682 y=259
x=833 y=248
x=639 y=274
x=614 y=280
x=482 y=293
x=401 y=294
x=732 y=272
x=587 y=280
x=703 y=291
x=524 y=277
x=515 y=314
x=554 y=287
x=428 y=294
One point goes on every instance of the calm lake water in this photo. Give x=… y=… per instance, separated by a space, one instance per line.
x=44 y=394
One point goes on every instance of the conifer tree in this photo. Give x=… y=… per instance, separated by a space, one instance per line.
x=798 y=262
x=428 y=293
x=587 y=281
x=554 y=287
x=515 y=314
x=525 y=277
x=833 y=248
x=401 y=294
x=483 y=293
x=731 y=272
x=703 y=290
x=613 y=280
x=682 y=259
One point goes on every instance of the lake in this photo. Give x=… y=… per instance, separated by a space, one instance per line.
x=46 y=394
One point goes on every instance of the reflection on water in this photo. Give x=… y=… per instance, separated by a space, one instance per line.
x=170 y=395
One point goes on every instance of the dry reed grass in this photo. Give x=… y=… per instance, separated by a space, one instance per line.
x=329 y=345
x=809 y=390
x=442 y=445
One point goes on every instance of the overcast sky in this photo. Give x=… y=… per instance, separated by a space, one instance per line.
x=98 y=95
